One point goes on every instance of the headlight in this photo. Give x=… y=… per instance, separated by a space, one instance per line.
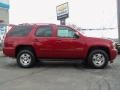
x=114 y=45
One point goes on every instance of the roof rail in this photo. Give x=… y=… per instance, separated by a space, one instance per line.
x=24 y=24
x=35 y=24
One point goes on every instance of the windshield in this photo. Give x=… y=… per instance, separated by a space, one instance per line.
x=78 y=29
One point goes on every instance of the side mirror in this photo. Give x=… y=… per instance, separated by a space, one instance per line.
x=76 y=35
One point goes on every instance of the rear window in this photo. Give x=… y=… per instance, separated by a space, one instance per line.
x=20 y=31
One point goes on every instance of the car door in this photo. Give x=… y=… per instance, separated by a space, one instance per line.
x=43 y=41
x=67 y=45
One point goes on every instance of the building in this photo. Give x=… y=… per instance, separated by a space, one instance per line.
x=4 y=11
x=4 y=17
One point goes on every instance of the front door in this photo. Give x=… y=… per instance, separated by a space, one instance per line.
x=67 y=45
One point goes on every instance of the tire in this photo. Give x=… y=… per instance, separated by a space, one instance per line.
x=26 y=58
x=98 y=59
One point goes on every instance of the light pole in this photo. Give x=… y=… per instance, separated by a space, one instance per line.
x=118 y=16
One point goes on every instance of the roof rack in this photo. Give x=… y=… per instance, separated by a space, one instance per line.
x=35 y=24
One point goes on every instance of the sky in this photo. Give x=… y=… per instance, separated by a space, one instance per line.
x=83 y=13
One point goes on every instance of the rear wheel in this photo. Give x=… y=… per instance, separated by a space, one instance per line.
x=98 y=59
x=26 y=58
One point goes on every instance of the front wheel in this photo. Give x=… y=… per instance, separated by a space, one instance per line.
x=98 y=59
x=26 y=58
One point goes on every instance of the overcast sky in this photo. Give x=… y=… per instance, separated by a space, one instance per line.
x=84 y=13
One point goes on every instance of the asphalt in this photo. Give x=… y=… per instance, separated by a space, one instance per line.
x=58 y=76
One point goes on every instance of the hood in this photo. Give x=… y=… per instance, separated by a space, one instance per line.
x=100 y=41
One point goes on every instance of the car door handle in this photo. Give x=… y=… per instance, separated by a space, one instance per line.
x=59 y=41
x=36 y=40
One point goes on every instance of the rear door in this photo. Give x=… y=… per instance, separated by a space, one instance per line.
x=43 y=41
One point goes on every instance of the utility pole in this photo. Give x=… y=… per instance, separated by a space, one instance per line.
x=118 y=15
x=62 y=22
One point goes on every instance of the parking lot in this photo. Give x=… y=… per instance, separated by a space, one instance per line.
x=58 y=76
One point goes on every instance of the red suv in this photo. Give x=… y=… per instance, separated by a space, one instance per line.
x=31 y=42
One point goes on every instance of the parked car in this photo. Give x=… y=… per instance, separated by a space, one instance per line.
x=31 y=42
x=0 y=42
x=118 y=47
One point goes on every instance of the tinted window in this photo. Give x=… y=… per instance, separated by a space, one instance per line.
x=65 y=32
x=44 y=31
x=20 y=31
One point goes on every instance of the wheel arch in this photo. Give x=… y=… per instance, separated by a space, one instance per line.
x=21 y=47
x=105 y=48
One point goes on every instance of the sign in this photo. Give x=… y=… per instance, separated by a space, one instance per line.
x=62 y=11
x=4 y=5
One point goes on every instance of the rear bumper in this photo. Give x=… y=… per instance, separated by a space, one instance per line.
x=113 y=55
x=10 y=52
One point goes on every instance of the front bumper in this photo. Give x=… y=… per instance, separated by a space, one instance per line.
x=113 y=55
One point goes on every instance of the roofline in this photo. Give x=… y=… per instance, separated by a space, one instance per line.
x=4 y=5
